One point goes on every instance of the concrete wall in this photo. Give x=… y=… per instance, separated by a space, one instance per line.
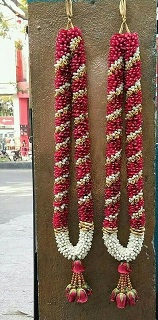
x=99 y=20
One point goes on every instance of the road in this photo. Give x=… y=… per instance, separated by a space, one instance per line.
x=16 y=245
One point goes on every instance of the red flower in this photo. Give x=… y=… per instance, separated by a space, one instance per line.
x=68 y=288
x=71 y=296
x=82 y=296
x=131 y=296
x=124 y=268
x=114 y=294
x=121 y=300
x=77 y=267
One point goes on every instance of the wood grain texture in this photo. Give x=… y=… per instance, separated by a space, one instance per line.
x=98 y=20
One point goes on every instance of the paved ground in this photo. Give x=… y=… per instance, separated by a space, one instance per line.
x=16 y=245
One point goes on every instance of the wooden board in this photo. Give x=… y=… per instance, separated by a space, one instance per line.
x=98 y=20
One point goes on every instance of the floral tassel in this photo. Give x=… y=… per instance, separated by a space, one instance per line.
x=78 y=290
x=124 y=294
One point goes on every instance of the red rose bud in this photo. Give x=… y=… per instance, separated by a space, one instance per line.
x=121 y=300
x=124 y=268
x=77 y=267
x=114 y=294
x=87 y=289
x=82 y=296
x=68 y=288
x=136 y=295
x=131 y=298
x=72 y=295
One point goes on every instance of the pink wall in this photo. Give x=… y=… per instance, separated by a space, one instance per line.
x=23 y=95
x=19 y=66
x=23 y=103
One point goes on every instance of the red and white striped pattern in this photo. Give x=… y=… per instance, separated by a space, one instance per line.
x=71 y=104
x=124 y=75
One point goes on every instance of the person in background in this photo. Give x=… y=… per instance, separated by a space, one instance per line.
x=12 y=144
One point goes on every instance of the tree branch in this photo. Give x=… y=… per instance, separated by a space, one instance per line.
x=23 y=17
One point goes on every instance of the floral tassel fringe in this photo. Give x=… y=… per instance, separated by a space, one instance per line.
x=78 y=290
x=124 y=294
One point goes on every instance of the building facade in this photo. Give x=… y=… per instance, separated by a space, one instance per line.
x=14 y=90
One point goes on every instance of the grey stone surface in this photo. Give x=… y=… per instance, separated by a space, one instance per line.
x=16 y=165
x=16 y=245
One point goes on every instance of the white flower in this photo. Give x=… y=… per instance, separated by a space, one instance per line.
x=119 y=252
x=80 y=250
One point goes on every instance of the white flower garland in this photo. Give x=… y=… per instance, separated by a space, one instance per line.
x=120 y=253
x=80 y=250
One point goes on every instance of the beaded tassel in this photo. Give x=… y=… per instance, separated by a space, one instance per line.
x=78 y=290
x=124 y=294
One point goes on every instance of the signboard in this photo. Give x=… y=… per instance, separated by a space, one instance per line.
x=6 y=121
x=7 y=66
x=23 y=130
x=7 y=88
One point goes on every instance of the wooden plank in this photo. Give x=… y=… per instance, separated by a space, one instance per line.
x=98 y=20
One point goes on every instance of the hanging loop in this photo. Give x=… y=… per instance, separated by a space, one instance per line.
x=68 y=4
x=122 y=8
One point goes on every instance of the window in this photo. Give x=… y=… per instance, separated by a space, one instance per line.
x=6 y=106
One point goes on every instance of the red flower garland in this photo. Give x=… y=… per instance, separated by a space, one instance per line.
x=124 y=76
x=71 y=102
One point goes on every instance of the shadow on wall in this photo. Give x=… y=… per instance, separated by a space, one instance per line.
x=156 y=228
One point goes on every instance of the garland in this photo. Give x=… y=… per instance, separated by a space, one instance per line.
x=71 y=102
x=124 y=74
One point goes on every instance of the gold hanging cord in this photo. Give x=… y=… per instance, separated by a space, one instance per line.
x=122 y=8
x=68 y=4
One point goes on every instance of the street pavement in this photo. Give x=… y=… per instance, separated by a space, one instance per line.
x=16 y=244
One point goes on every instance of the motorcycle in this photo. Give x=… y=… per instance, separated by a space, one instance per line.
x=17 y=155
x=4 y=155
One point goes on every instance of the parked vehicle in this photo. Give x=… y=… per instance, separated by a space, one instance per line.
x=4 y=155
x=17 y=155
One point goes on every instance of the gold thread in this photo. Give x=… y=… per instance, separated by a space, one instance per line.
x=61 y=180
x=79 y=73
x=110 y=230
x=114 y=115
x=68 y=4
x=63 y=61
x=122 y=8
x=134 y=135
x=134 y=90
x=135 y=200
x=83 y=225
x=135 y=178
x=113 y=94
x=134 y=111
x=135 y=157
x=137 y=231
x=75 y=43
x=110 y=181
x=131 y=62
x=58 y=230
x=114 y=135
x=114 y=68
x=78 y=94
